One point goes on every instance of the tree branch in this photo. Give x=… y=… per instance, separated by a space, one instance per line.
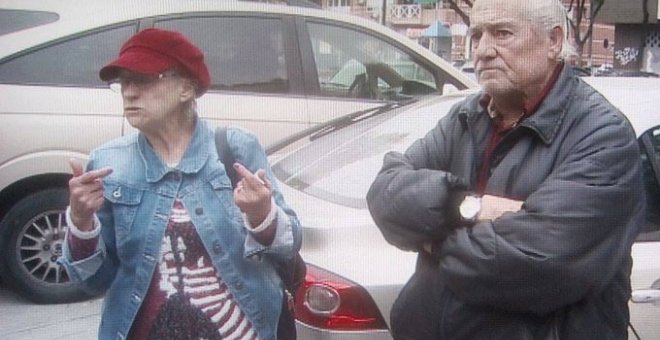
x=590 y=29
x=454 y=5
x=570 y=6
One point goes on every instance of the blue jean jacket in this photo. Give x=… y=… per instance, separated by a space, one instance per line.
x=138 y=197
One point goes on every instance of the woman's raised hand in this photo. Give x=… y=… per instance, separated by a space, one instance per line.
x=253 y=194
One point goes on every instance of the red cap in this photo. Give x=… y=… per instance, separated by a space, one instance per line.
x=153 y=51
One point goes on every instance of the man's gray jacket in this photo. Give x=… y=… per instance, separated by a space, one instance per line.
x=557 y=269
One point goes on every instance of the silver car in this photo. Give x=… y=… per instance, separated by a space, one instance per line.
x=355 y=275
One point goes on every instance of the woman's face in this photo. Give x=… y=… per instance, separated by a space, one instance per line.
x=150 y=102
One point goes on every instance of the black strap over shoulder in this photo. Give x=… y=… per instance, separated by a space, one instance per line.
x=225 y=155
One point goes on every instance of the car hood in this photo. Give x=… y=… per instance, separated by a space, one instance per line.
x=633 y=96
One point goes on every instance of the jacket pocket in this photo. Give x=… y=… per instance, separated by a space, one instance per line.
x=125 y=202
x=225 y=194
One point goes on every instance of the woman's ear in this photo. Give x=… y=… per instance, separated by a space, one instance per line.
x=189 y=88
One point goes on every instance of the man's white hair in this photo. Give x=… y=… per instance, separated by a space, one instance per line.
x=546 y=15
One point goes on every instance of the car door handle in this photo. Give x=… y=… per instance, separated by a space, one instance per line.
x=645 y=295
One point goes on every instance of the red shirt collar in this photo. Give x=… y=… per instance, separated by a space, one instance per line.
x=532 y=105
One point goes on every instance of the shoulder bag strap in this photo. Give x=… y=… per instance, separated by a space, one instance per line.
x=225 y=155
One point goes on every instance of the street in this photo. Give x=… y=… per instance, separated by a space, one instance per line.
x=23 y=320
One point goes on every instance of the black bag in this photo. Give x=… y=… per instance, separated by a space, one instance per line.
x=293 y=271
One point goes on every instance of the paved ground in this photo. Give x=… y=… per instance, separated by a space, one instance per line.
x=22 y=320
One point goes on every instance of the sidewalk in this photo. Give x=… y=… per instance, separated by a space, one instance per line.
x=23 y=320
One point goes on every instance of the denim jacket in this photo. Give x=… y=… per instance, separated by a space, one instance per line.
x=139 y=195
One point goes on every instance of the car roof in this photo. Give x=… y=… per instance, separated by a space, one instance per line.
x=86 y=15
x=89 y=14
x=638 y=98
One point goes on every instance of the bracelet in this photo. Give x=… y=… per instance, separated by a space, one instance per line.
x=83 y=235
x=272 y=214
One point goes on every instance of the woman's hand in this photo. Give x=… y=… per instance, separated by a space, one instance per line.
x=85 y=194
x=253 y=194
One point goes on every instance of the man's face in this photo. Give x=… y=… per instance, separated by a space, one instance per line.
x=510 y=55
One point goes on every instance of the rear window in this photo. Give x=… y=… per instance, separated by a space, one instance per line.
x=73 y=61
x=12 y=20
x=340 y=167
x=243 y=53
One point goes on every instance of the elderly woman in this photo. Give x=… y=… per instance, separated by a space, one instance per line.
x=154 y=219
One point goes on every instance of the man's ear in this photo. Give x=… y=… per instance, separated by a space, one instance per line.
x=556 y=42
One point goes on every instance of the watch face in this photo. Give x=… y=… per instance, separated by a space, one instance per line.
x=470 y=208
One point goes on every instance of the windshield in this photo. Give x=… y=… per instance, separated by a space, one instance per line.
x=339 y=167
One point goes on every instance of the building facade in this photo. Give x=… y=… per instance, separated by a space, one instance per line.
x=637 y=33
x=413 y=18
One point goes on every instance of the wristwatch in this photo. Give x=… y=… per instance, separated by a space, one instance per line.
x=470 y=208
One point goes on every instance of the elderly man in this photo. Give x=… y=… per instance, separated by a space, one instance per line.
x=523 y=202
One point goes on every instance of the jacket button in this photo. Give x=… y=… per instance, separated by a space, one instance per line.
x=199 y=211
x=217 y=248
x=239 y=285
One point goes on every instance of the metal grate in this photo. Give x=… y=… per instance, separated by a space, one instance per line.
x=653 y=39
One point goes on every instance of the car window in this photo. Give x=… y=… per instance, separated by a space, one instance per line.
x=73 y=62
x=372 y=68
x=650 y=145
x=12 y=20
x=243 y=53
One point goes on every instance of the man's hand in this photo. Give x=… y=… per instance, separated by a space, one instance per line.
x=493 y=207
x=253 y=194
x=86 y=194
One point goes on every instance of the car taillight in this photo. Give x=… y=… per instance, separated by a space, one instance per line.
x=328 y=301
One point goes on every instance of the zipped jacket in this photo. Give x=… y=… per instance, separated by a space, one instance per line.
x=557 y=269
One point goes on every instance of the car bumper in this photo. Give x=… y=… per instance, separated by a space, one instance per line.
x=306 y=332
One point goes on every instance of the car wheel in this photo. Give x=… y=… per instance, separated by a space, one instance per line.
x=35 y=239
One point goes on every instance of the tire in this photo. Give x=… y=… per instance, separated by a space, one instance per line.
x=35 y=229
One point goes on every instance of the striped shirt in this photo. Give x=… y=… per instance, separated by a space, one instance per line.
x=187 y=298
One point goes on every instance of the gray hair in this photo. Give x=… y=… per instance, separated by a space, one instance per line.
x=546 y=15
x=190 y=110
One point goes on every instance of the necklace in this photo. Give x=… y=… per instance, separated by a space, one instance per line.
x=495 y=114
x=517 y=121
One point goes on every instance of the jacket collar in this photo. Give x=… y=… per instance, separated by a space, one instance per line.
x=551 y=112
x=547 y=119
x=192 y=161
